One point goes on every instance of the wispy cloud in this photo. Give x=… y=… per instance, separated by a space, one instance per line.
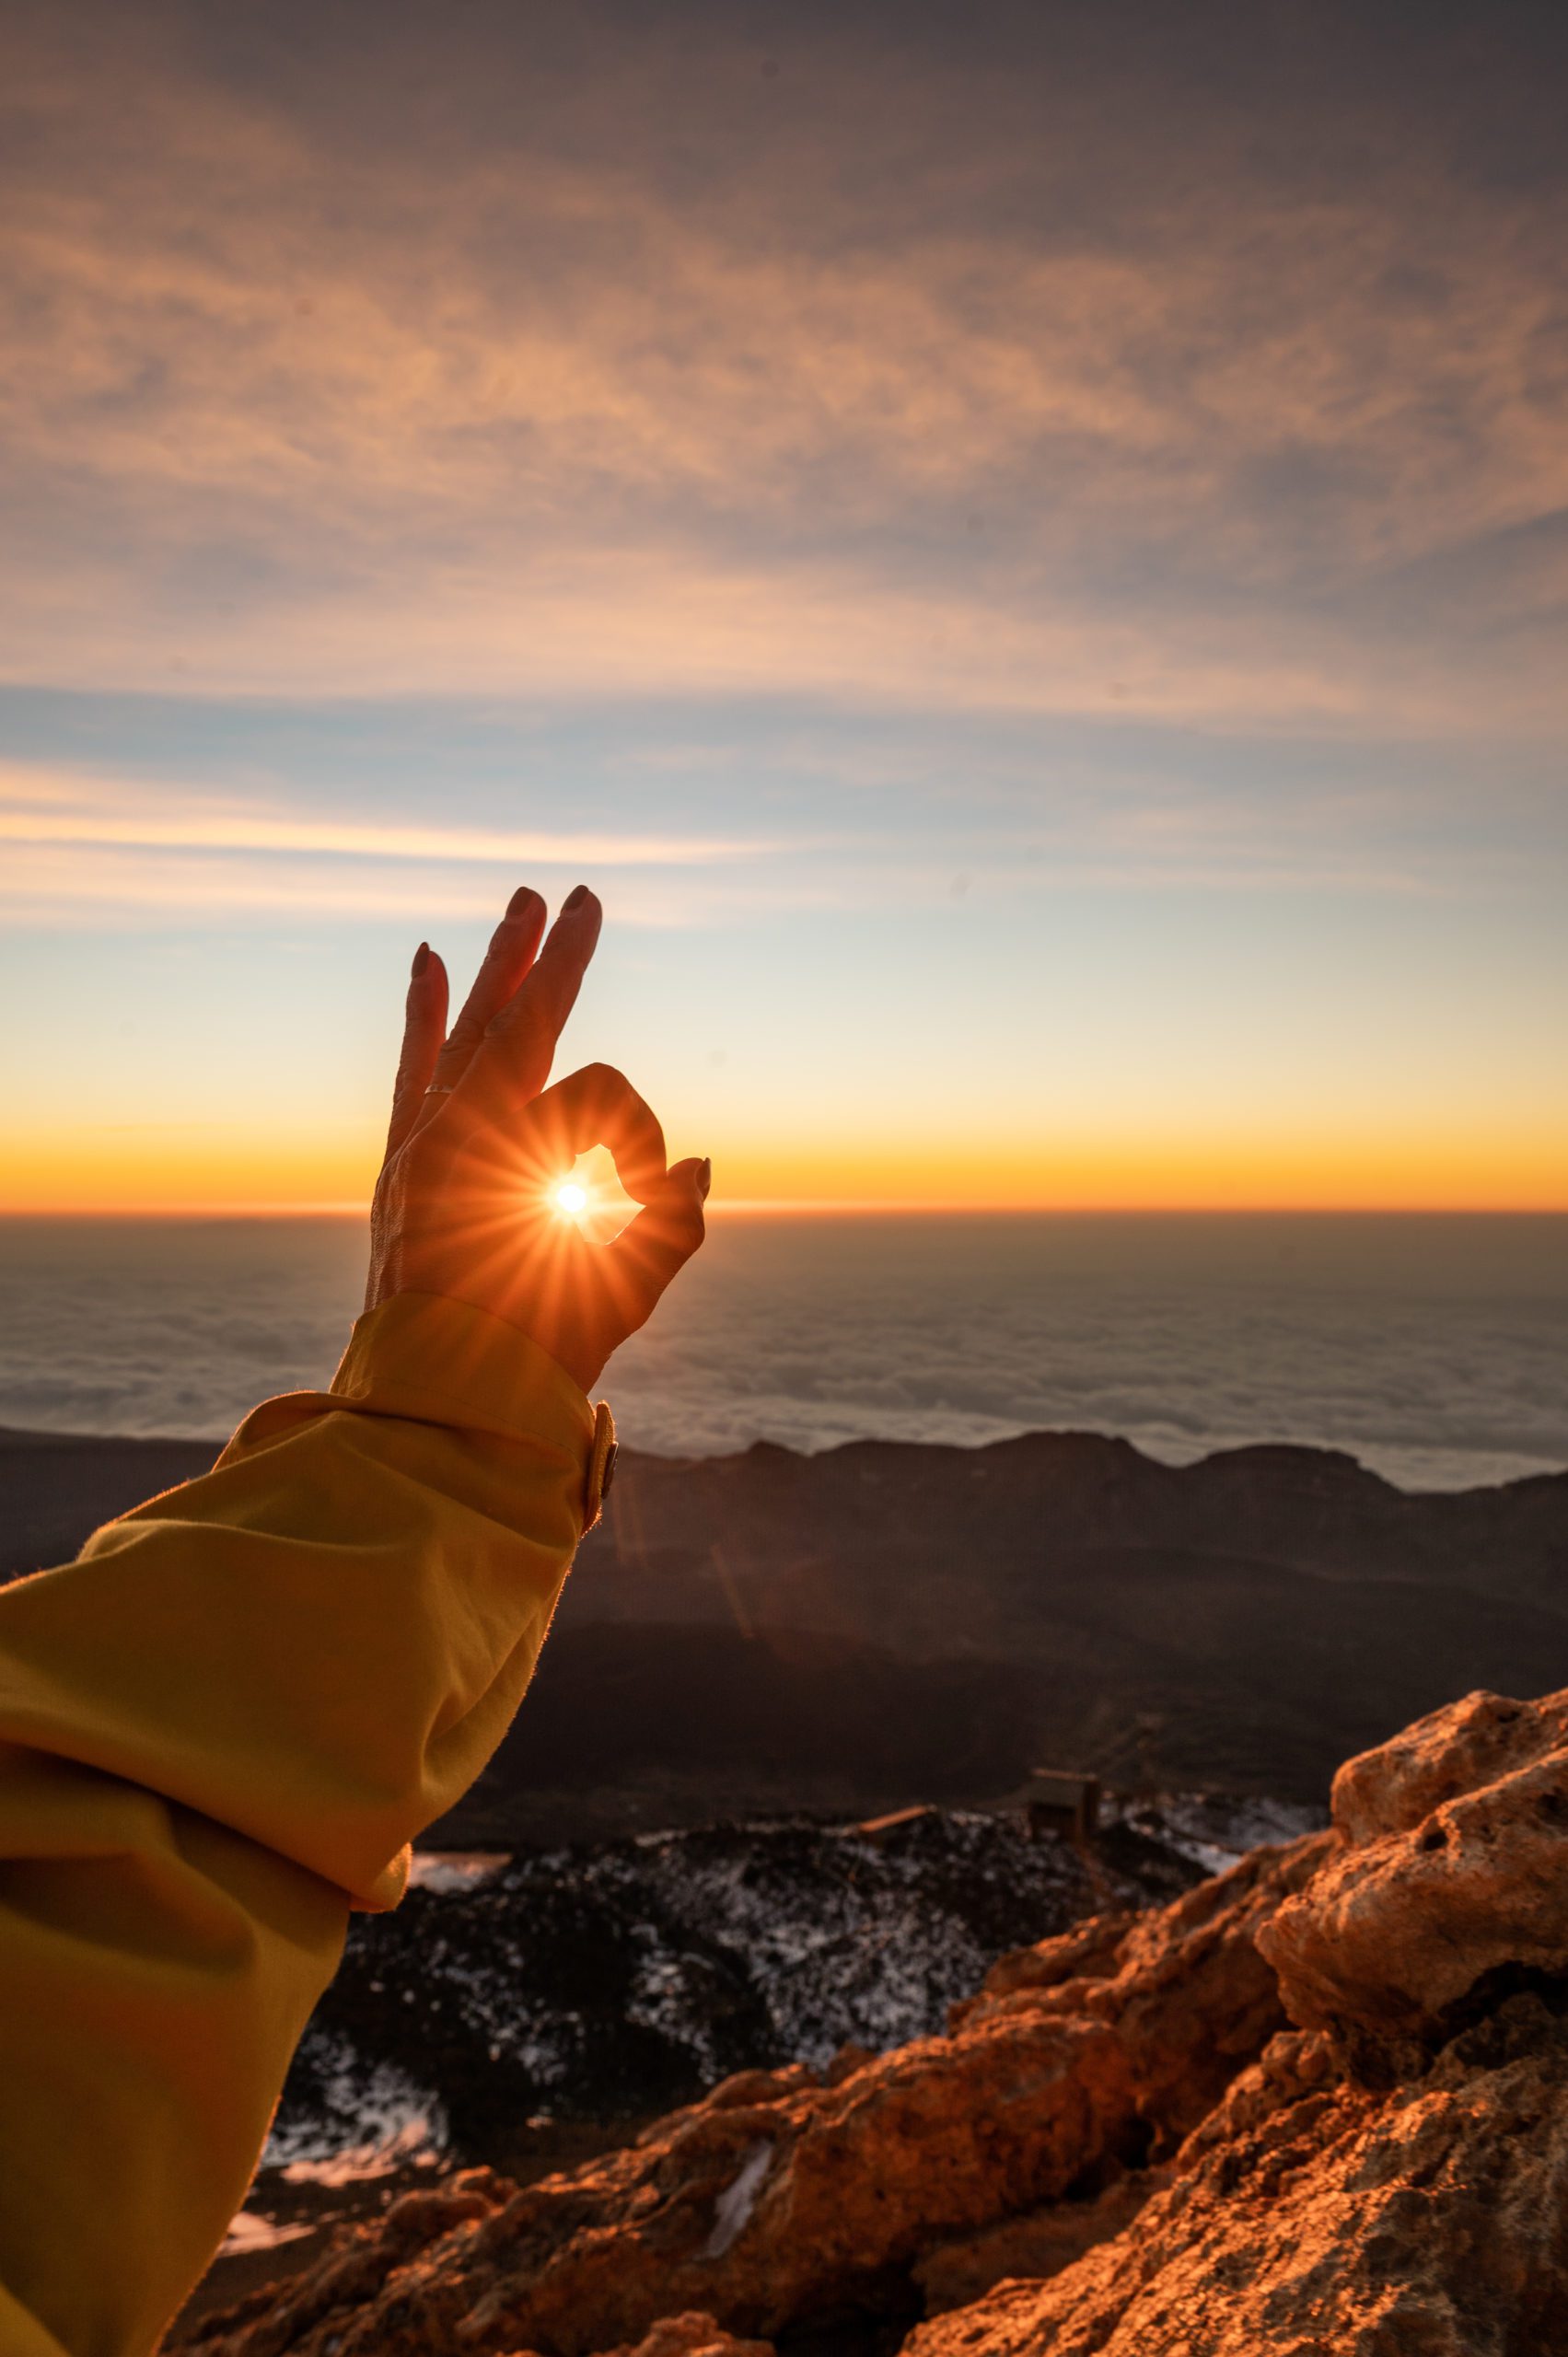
x=1115 y=416
x=240 y=831
x=79 y=843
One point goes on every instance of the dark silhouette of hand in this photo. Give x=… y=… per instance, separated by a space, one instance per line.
x=464 y=1206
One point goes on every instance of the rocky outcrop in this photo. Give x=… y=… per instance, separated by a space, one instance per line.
x=1312 y=2218
x=1122 y=2148
x=1451 y=1867
x=1391 y=2177
x=782 y=2198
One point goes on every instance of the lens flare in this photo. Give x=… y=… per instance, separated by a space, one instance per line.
x=570 y=1199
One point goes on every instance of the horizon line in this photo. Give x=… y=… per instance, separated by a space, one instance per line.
x=767 y=1206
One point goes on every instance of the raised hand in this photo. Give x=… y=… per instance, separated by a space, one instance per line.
x=463 y=1206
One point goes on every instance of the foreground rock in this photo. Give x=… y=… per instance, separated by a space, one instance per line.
x=1452 y=1869
x=1123 y=2145
x=1391 y=2179
x=782 y=2198
x=1310 y=2216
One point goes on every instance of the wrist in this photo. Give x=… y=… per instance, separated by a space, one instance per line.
x=441 y=1359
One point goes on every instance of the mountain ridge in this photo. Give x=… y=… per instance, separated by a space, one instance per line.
x=888 y=1621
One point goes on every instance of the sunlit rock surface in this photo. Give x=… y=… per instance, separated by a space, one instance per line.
x=789 y=2193
x=1309 y=2215
x=1452 y=1866
x=1122 y=2147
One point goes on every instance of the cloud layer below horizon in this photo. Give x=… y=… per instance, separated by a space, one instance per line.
x=1435 y=1351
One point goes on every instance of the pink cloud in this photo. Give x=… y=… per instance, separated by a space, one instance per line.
x=308 y=412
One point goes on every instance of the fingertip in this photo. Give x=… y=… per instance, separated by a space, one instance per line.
x=576 y=931
x=427 y=988
x=524 y=902
x=582 y=914
x=682 y=1196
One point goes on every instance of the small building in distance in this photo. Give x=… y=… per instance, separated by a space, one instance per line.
x=1056 y=1800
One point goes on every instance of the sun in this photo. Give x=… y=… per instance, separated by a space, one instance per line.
x=588 y=1194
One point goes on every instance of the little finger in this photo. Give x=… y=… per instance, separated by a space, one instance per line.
x=425 y=1027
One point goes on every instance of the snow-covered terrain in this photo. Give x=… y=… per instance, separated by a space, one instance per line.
x=608 y=1981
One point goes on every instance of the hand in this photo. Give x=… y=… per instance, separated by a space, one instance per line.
x=463 y=1206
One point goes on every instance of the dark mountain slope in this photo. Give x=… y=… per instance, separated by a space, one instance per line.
x=56 y=1488
x=715 y=1529
x=882 y=1622
x=1148 y=1665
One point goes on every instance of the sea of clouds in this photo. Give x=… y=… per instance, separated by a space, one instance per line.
x=1434 y=1349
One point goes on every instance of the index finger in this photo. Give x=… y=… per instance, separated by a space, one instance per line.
x=598 y=1106
x=512 y=1061
x=507 y=959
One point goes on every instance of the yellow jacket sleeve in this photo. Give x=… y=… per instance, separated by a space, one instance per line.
x=219 y=1729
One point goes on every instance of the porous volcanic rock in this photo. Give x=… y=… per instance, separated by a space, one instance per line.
x=1037 y=2244
x=781 y=2200
x=1450 y=1867
x=1310 y=2217
x=1390 y=2178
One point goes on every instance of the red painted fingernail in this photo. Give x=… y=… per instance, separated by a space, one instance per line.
x=517 y=905
x=420 y=959
x=704 y=1178
x=575 y=900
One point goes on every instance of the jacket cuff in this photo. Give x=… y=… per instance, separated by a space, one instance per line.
x=445 y=1362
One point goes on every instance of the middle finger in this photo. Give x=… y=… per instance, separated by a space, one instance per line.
x=506 y=962
x=512 y=1063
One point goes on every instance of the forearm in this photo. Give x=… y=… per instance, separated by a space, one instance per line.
x=218 y=1729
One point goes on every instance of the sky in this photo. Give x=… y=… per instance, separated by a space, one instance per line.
x=1022 y=550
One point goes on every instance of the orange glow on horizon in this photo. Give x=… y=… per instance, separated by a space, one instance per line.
x=253 y=1172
